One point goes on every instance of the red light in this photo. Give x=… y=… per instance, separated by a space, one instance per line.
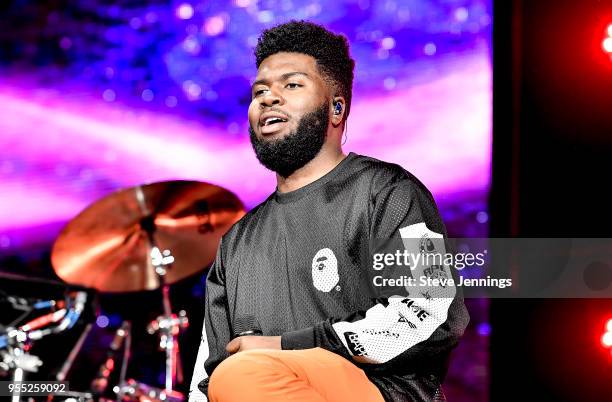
x=607 y=42
x=607 y=45
x=606 y=339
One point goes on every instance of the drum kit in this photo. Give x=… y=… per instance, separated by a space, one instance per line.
x=146 y=237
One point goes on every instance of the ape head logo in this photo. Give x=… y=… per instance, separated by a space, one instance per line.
x=325 y=270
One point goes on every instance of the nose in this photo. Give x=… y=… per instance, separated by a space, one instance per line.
x=270 y=98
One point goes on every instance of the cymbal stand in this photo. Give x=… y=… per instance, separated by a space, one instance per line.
x=167 y=325
x=125 y=334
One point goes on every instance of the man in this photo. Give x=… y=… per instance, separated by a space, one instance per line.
x=294 y=272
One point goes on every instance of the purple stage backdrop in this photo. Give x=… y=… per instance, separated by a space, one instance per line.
x=99 y=95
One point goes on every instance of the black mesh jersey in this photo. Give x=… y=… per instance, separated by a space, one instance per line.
x=298 y=266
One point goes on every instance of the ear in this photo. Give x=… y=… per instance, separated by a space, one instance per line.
x=338 y=110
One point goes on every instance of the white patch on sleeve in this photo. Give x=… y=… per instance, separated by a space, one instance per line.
x=387 y=331
x=325 y=270
x=418 y=239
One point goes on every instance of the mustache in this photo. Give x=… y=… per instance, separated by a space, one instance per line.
x=271 y=109
x=276 y=110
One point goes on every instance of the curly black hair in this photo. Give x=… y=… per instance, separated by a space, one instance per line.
x=330 y=51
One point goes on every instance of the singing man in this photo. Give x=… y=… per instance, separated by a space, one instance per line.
x=291 y=313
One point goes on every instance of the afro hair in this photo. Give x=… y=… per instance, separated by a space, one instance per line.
x=330 y=51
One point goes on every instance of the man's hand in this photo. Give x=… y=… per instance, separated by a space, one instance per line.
x=243 y=343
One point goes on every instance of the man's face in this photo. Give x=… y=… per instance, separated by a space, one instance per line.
x=289 y=112
x=288 y=85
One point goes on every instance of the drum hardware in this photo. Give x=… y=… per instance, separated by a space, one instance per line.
x=127 y=350
x=18 y=341
x=17 y=359
x=122 y=338
x=137 y=391
x=142 y=238
x=74 y=396
x=168 y=325
x=61 y=375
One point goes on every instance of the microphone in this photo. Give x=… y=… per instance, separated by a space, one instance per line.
x=246 y=325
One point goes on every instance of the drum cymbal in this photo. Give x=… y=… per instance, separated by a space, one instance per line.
x=107 y=246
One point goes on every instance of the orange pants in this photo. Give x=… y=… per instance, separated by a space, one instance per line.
x=307 y=375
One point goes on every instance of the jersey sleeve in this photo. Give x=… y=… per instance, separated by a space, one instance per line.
x=410 y=330
x=214 y=337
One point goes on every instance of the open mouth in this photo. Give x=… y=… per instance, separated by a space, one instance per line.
x=273 y=120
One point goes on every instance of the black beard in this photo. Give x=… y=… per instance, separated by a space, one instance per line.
x=286 y=155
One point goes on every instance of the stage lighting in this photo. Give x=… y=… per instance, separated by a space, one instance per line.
x=607 y=42
x=184 y=11
x=607 y=45
x=606 y=339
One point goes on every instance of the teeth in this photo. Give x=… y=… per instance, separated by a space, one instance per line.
x=271 y=120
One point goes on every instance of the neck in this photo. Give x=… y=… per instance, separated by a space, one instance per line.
x=325 y=161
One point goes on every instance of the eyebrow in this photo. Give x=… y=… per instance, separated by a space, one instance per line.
x=284 y=77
